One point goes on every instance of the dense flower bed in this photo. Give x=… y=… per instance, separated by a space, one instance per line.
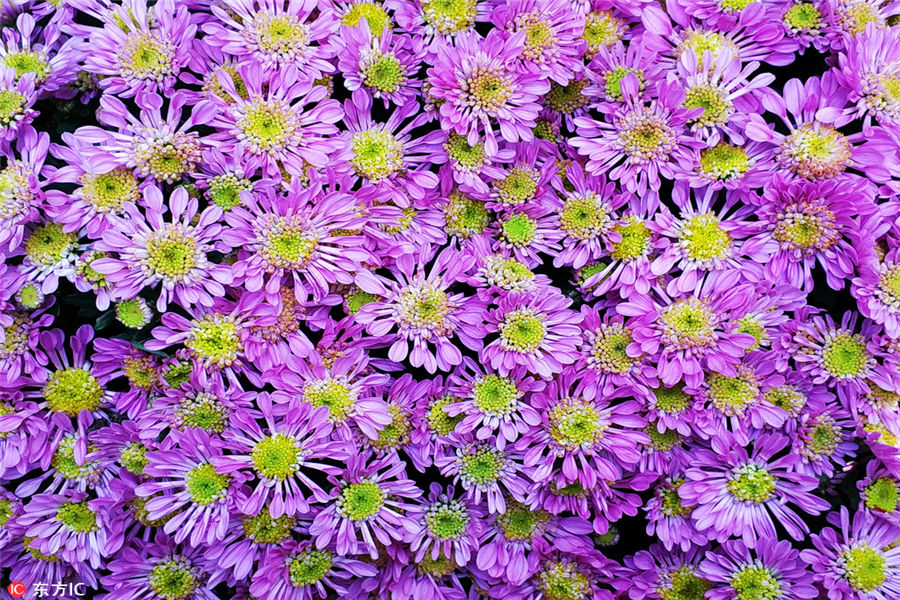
x=450 y=299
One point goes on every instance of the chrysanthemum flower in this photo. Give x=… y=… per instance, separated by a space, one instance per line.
x=281 y=456
x=444 y=527
x=49 y=255
x=604 y=362
x=877 y=290
x=642 y=140
x=24 y=431
x=42 y=52
x=300 y=571
x=665 y=572
x=613 y=62
x=271 y=121
x=135 y=52
x=481 y=92
x=17 y=96
x=860 y=561
x=273 y=34
x=536 y=330
x=879 y=493
x=740 y=168
x=824 y=440
x=369 y=500
x=437 y=21
x=669 y=516
x=485 y=472
x=146 y=251
x=20 y=188
x=526 y=233
x=34 y=567
x=868 y=71
x=738 y=493
x=772 y=569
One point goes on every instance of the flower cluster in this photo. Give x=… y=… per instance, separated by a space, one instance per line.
x=450 y=299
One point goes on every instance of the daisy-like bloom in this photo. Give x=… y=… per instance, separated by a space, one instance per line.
x=849 y=18
x=353 y=13
x=345 y=385
x=773 y=569
x=72 y=527
x=514 y=542
x=659 y=572
x=157 y=147
x=705 y=239
x=603 y=362
x=527 y=170
x=49 y=255
x=422 y=310
x=868 y=69
x=824 y=440
x=44 y=53
x=554 y=40
x=34 y=567
x=136 y=52
x=146 y=251
x=295 y=242
x=879 y=492
x=738 y=493
x=493 y=405
x=481 y=92
x=273 y=34
x=721 y=85
x=804 y=24
x=438 y=21
x=740 y=168
x=20 y=188
x=536 y=330
x=432 y=426
x=860 y=561
x=691 y=333
x=877 y=290
x=485 y=472
x=100 y=194
x=469 y=164
x=382 y=64
x=275 y=121
x=386 y=155
x=226 y=179
x=369 y=500
x=301 y=571
x=642 y=141
x=159 y=569
x=612 y=63
x=186 y=488
x=832 y=353
x=586 y=217
x=23 y=429
x=282 y=456
x=527 y=233
x=17 y=96
x=581 y=440
x=444 y=527
x=563 y=575
x=669 y=516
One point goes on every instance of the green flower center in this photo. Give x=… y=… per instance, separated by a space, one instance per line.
x=685 y=584
x=174 y=578
x=751 y=325
x=134 y=457
x=49 y=244
x=29 y=62
x=519 y=229
x=108 y=192
x=449 y=16
x=269 y=125
x=288 y=244
x=72 y=390
x=374 y=14
x=336 y=395
x=376 y=154
x=806 y=226
x=613 y=81
x=787 y=398
x=214 y=86
x=732 y=395
x=575 y=423
x=225 y=190
x=465 y=217
x=688 y=323
x=203 y=411
x=495 y=395
x=584 y=218
x=670 y=501
x=889 y=285
x=704 y=240
x=602 y=29
x=168 y=158
x=488 y=89
x=864 y=567
x=566 y=99
x=467 y=157
x=96 y=279
x=438 y=420
x=701 y=41
x=141 y=371
x=609 y=349
x=717 y=108
x=280 y=35
x=263 y=529
x=544 y=130
x=358 y=299
x=437 y=567
x=178 y=373
x=645 y=136
x=754 y=582
x=724 y=162
x=171 y=254
x=205 y=485
x=37 y=554
x=882 y=495
x=751 y=483
x=145 y=56
x=662 y=441
x=635 y=240
x=30 y=296
x=518 y=187
x=803 y=17
x=216 y=339
x=815 y=151
x=424 y=306
x=12 y=105
x=507 y=273
x=854 y=16
x=562 y=581
x=133 y=313
x=447 y=519
x=522 y=523
x=64 y=462
x=521 y=331
x=309 y=566
x=845 y=356
x=734 y=6
x=384 y=73
x=359 y=501
x=6 y=511
x=823 y=438
x=395 y=433
x=77 y=516
x=482 y=465
x=276 y=457
x=671 y=400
